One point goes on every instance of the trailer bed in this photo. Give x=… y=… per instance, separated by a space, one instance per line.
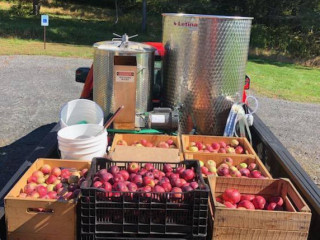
x=274 y=155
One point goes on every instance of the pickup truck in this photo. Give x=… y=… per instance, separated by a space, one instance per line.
x=274 y=155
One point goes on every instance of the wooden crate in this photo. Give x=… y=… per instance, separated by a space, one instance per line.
x=130 y=153
x=237 y=159
x=259 y=224
x=186 y=139
x=23 y=222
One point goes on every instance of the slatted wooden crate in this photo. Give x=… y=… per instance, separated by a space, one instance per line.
x=238 y=224
x=58 y=221
x=132 y=153
x=187 y=139
x=237 y=159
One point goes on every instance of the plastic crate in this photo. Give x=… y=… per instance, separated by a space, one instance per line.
x=142 y=215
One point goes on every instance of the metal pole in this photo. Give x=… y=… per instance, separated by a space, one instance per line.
x=44 y=37
x=144 y=15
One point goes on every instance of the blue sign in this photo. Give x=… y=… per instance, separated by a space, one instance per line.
x=44 y=20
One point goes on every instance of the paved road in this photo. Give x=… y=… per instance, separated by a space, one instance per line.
x=33 y=88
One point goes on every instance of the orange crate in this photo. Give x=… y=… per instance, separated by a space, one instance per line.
x=186 y=139
x=237 y=159
x=25 y=223
x=130 y=153
x=237 y=224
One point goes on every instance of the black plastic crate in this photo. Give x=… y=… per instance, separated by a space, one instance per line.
x=136 y=215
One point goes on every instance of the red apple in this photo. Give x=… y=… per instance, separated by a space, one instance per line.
x=170 y=141
x=83 y=172
x=277 y=200
x=230 y=205
x=56 y=171
x=199 y=145
x=42 y=190
x=246 y=204
x=247 y=197
x=222 y=144
x=107 y=186
x=177 y=192
x=133 y=167
x=215 y=146
x=148 y=166
x=105 y=176
x=52 y=195
x=137 y=179
x=259 y=202
x=188 y=174
x=29 y=188
x=32 y=179
x=132 y=187
x=124 y=174
x=255 y=174
x=252 y=166
x=219 y=200
x=163 y=144
x=239 y=150
x=121 y=187
x=194 y=185
x=58 y=186
x=149 y=174
x=159 y=189
x=166 y=186
x=271 y=206
x=97 y=184
x=187 y=188
x=46 y=169
x=114 y=170
x=149 y=144
x=143 y=142
x=34 y=194
x=147 y=181
x=222 y=150
x=245 y=172
x=223 y=171
x=231 y=195
x=51 y=179
x=204 y=170
x=176 y=182
x=38 y=174
x=118 y=178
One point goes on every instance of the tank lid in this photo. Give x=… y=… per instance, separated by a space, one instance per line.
x=122 y=43
x=206 y=16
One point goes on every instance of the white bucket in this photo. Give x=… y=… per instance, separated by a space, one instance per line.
x=81 y=111
x=82 y=142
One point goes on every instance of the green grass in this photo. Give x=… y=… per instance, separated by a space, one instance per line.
x=74 y=28
x=283 y=80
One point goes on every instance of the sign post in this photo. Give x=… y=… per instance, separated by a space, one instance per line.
x=44 y=23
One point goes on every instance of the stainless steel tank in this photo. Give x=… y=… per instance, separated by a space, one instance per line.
x=103 y=66
x=204 y=67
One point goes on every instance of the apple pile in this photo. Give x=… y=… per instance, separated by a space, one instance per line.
x=146 y=179
x=54 y=183
x=144 y=143
x=232 y=198
x=226 y=169
x=220 y=147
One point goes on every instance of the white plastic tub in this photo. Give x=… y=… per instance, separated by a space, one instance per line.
x=81 y=111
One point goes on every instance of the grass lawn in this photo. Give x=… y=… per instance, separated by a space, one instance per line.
x=74 y=28
x=285 y=81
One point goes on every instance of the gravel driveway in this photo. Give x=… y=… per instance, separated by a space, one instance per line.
x=33 y=88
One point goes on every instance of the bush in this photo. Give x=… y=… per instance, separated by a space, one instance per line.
x=20 y=10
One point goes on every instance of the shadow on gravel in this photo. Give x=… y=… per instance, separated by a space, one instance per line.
x=13 y=155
